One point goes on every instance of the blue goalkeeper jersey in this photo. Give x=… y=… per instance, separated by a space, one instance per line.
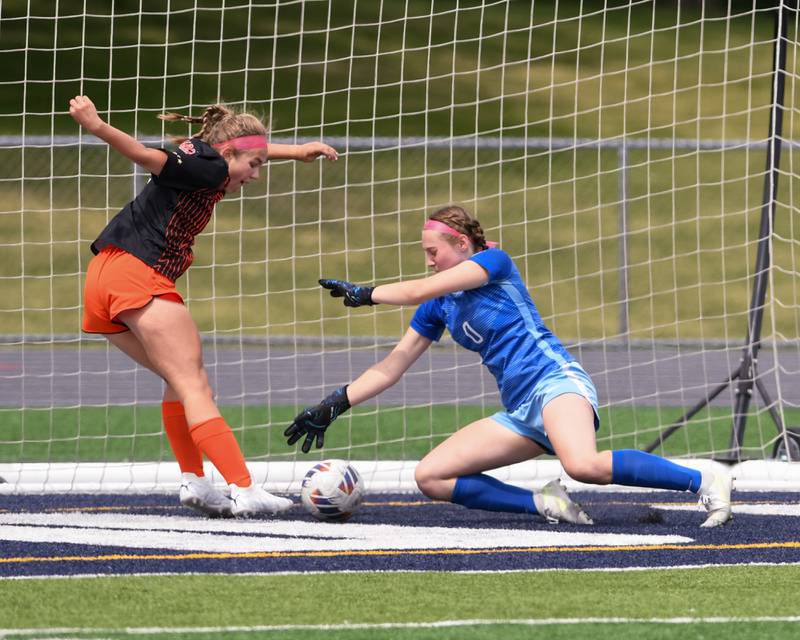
x=500 y=321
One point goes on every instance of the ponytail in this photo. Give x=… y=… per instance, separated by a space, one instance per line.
x=219 y=123
x=457 y=218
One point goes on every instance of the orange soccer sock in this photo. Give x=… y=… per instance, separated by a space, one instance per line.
x=216 y=440
x=189 y=457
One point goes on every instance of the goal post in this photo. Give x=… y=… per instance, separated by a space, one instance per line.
x=618 y=151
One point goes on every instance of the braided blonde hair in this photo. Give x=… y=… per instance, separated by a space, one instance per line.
x=458 y=218
x=219 y=123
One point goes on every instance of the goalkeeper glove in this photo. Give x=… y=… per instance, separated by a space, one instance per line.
x=353 y=294
x=313 y=421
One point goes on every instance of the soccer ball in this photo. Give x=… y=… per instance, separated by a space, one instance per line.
x=332 y=490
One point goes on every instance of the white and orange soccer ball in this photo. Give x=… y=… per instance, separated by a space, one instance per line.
x=332 y=490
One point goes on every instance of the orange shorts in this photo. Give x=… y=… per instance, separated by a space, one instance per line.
x=117 y=281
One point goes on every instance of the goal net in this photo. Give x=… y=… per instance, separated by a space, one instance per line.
x=620 y=152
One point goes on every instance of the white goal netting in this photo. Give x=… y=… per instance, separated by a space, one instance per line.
x=619 y=151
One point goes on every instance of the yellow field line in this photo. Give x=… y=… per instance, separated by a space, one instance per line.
x=391 y=503
x=176 y=507
x=413 y=552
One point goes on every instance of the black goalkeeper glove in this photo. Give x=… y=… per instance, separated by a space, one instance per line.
x=353 y=294
x=313 y=421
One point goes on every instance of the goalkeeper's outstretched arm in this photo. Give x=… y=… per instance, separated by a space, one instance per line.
x=467 y=275
x=388 y=371
x=313 y=421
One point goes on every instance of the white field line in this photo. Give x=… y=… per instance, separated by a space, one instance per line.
x=530 y=622
x=744 y=509
x=231 y=536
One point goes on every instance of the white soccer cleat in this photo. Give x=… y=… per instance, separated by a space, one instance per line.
x=199 y=494
x=554 y=503
x=253 y=500
x=716 y=499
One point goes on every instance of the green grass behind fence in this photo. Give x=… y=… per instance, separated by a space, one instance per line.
x=574 y=70
x=134 y=434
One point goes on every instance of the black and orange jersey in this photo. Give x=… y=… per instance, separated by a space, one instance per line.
x=159 y=226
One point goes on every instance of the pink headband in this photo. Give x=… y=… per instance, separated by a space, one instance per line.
x=244 y=143
x=441 y=227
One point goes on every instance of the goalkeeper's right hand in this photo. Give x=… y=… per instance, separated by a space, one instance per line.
x=354 y=295
x=312 y=421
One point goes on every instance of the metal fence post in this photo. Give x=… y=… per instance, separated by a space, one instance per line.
x=622 y=186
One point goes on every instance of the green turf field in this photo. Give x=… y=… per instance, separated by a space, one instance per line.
x=134 y=434
x=347 y=600
x=664 y=72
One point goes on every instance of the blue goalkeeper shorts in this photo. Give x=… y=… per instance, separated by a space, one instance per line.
x=527 y=421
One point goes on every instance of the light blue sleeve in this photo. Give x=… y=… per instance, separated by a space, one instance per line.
x=498 y=263
x=428 y=320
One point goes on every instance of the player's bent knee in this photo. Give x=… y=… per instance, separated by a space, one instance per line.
x=588 y=471
x=434 y=490
x=430 y=484
x=421 y=477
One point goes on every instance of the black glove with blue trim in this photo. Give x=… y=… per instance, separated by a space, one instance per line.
x=313 y=421
x=354 y=295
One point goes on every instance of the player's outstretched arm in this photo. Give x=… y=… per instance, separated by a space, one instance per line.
x=388 y=371
x=313 y=421
x=83 y=111
x=463 y=277
x=306 y=152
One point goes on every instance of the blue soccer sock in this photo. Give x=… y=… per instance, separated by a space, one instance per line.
x=634 y=468
x=479 y=491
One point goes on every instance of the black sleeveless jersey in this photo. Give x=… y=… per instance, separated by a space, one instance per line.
x=160 y=224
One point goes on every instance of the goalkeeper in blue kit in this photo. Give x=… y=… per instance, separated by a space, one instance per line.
x=550 y=403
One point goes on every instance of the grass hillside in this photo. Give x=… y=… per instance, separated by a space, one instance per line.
x=495 y=70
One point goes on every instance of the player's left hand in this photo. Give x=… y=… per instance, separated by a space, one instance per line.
x=313 y=421
x=354 y=295
x=312 y=150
